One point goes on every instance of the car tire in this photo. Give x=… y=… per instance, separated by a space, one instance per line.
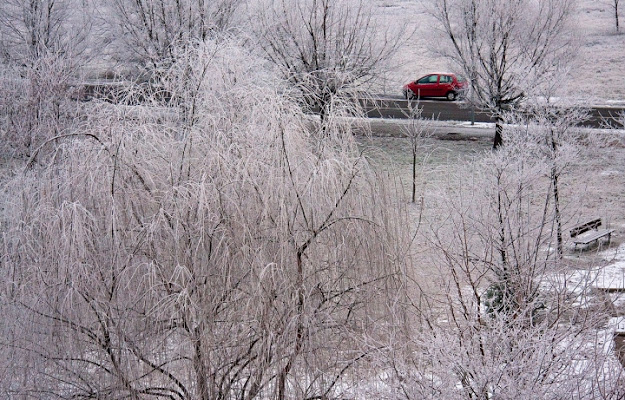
x=451 y=96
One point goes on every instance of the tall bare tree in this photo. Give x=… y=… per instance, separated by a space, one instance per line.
x=418 y=131
x=42 y=45
x=150 y=30
x=30 y=30
x=506 y=49
x=614 y=4
x=326 y=49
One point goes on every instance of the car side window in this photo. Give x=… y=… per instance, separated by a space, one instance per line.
x=433 y=78
x=445 y=79
x=426 y=79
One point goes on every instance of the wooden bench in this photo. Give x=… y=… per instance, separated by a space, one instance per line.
x=596 y=234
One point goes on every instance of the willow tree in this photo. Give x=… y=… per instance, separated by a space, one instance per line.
x=148 y=254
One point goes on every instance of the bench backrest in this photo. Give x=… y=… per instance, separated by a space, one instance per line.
x=585 y=227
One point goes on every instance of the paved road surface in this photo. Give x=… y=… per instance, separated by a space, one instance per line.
x=384 y=107
x=396 y=107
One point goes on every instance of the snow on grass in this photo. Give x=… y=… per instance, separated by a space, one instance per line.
x=609 y=279
x=597 y=76
x=573 y=284
x=612 y=276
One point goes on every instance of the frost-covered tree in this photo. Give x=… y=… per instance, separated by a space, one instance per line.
x=35 y=104
x=527 y=328
x=551 y=131
x=30 y=30
x=42 y=46
x=417 y=131
x=326 y=49
x=220 y=254
x=150 y=31
x=506 y=49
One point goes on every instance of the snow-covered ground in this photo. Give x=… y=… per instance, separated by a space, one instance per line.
x=598 y=76
x=608 y=279
x=612 y=276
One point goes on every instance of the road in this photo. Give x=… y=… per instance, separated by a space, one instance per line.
x=396 y=107
x=385 y=106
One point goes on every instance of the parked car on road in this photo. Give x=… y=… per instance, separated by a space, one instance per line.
x=447 y=85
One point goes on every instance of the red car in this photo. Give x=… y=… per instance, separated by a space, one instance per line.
x=449 y=86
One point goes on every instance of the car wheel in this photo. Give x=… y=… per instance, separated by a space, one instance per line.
x=451 y=96
x=408 y=94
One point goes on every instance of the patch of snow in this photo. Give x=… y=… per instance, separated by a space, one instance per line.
x=617 y=299
x=615 y=255
x=612 y=276
x=574 y=284
x=484 y=125
x=615 y=103
x=616 y=324
x=610 y=173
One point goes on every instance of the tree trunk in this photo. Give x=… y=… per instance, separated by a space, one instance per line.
x=502 y=227
x=299 y=330
x=556 y=197
x=498 y=141
x=414 y=174
x=616 y=14
x=502 y=234
x=324 y=115
x=200 y=368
